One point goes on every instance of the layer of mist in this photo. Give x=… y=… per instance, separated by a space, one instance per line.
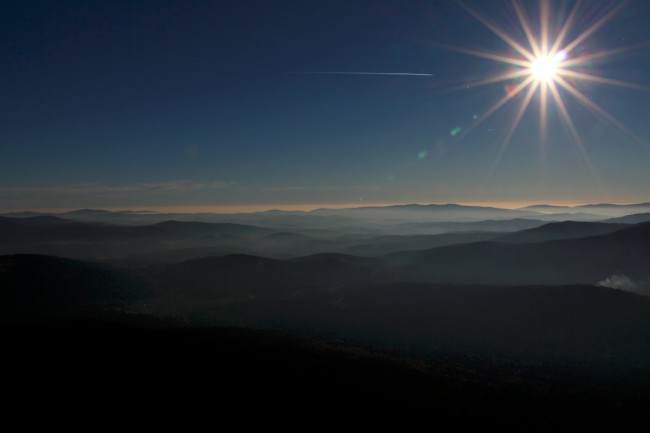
x=429 y=284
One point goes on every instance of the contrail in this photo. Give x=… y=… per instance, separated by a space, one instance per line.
x=408 y=74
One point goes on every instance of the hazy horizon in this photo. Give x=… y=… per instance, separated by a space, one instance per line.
x=226 y=209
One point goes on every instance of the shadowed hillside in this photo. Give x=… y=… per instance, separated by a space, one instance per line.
x=561 y=230
x=585 y=326
x=630 y=219
x=584 y=260
x=447 y=349
x=39 y=287
x=245 y=276
x=164 y=365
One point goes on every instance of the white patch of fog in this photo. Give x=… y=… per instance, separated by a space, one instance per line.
x=623 y=282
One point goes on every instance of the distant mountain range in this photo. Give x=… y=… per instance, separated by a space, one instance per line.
x=601 y=209
x=561 y=230
x=542 y=256
x=369 y=220
x=174 y=241
x=439 y=212
x=630 y=219
x=580 y=260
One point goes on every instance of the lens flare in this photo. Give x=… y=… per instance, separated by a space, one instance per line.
x=547 y=64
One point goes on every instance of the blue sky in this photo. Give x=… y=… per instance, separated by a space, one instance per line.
x=152 y=104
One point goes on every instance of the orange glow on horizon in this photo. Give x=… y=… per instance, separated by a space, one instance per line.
x=306 y=207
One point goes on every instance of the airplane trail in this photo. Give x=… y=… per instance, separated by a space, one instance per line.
x=408 y=74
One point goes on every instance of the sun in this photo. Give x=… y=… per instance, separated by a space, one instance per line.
x=549 y=65
x=545 y=67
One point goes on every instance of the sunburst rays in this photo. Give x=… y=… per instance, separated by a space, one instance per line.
x=547 y=64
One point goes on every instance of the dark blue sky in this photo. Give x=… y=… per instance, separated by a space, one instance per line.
x=141 y=104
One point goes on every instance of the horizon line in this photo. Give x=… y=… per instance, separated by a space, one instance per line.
x=305 y=207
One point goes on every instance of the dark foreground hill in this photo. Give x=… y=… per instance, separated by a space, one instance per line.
x=161 y=374
x=341 y=297
x=42 y=287
x=587 y=327
x=460 y=353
